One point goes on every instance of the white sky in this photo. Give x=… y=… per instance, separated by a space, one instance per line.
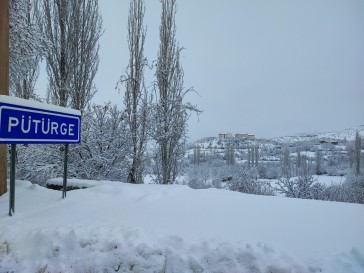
x=270 y=68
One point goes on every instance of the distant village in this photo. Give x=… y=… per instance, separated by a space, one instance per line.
x=245 y=136
x=238 y=135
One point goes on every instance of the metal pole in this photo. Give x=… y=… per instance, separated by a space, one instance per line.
x=12 y=179
x=65 y=171
x=4 y=81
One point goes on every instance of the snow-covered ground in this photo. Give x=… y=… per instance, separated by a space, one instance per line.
x=118 y=227
x=329 y=180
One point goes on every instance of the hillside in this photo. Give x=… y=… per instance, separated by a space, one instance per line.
x=117 y=227
x=342 y=137
x=347 y=134
x=332 y=146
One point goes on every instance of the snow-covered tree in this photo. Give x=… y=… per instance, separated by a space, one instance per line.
x=318 y=159
x=38 y=163
x=198 y=176
x=300 y=186
x=249 y=158
x=104 y=152
x=354 y=188
x=253 y=156
x=136 y=102
x=72 y=30
x=286 y=163
x=256 y=152
x=297 y=187
x=350 y=151
x=26 y=45
x=86 y=26
x=357 y=153
x=196 y=155
x=171 y=113
x=336 y=163
x=54 y=19
x=230 y=155
x=298 y=163
x=246 y=181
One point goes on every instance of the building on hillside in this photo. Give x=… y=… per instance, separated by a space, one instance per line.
x=244 y=136
x=333 y=142
x=241 y=136
x=225 y=135
x=237 y=135
x=251 y=136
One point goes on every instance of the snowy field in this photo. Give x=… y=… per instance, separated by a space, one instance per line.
x=328 y=180
x=117 y=227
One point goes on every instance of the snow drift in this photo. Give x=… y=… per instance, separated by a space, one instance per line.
x=118 y=227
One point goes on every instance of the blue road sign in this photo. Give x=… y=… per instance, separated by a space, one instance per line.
x=26 y=122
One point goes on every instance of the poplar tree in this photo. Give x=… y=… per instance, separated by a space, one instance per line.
x=230 y=157
x=27 y=46
x=249 y=158
x=298 y=163
x=86 y=28
x=171 y=113
x=256 y=156
x=54 y=21
x=136 y=95
x=318 y=162
x=72 y=30
x=357 y=153
x=286 y=164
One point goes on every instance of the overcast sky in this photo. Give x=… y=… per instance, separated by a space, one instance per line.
x=270 y=68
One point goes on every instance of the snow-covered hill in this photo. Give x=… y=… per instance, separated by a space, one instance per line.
x=117 y=227
x=271 y=150
x=347 y=134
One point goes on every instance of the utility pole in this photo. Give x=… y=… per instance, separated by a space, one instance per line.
x=4 y=80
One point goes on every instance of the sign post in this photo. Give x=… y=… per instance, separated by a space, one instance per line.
x=64 y=193
x=29 y=122
x=12 y=179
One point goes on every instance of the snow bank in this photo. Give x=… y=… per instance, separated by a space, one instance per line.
x=75 y=183
x=117 y=227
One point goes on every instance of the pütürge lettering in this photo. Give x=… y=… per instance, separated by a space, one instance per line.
x=40 y=126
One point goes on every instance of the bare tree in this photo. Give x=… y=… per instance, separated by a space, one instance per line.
x=171 y=113
x=136 y=96
x=72 y=30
